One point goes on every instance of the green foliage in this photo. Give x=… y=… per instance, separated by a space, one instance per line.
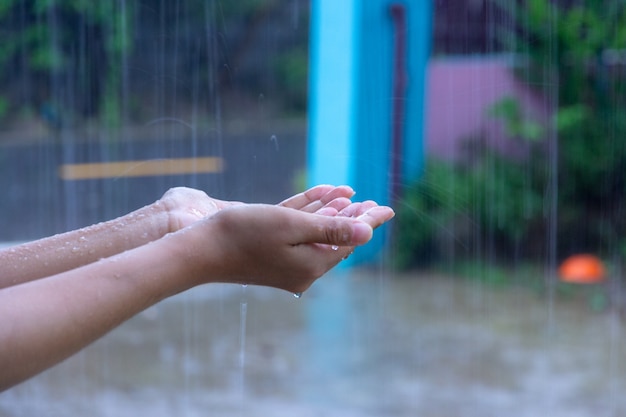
x=429 y=207
x=565 y=50
x=492 y=200
x=72 y=56
x=517 y=125
x=76 y=43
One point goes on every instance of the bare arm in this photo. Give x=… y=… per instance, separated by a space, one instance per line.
x=59 y=253
x=178 y=208
x=47 y=320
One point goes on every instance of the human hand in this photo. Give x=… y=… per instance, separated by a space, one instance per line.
x=329 y=200
x=185 y=206
x=277 y=246
x=320 y=199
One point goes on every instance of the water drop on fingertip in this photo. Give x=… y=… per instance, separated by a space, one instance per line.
x=334 y=247
x=297 y=294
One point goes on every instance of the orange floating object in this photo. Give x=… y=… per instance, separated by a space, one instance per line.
x=582 y=269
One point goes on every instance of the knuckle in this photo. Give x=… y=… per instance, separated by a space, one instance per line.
x=339 y=232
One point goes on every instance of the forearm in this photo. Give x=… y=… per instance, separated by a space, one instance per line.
x=66 y=251
x=46 y=321
x=178 y=208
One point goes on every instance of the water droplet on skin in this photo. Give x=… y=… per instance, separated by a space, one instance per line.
x=334 y=247
x=297 y=294
x=197 y=213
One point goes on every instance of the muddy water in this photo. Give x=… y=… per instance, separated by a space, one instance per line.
x=357 y=344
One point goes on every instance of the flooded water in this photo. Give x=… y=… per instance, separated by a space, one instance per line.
x=361 y=344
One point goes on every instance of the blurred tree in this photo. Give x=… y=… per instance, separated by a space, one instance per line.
x=577 y=58
x=60 y=57
x=574 y=54
x=75 y=59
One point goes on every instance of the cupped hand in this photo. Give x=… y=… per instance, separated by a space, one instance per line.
x=280 y=247
x=318 y=197
x=185 y=206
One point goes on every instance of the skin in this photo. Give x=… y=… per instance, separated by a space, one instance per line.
x=59 y=294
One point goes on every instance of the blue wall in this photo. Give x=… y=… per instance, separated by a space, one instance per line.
x=351 y=98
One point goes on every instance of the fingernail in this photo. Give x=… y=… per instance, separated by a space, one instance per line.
x=361 y=233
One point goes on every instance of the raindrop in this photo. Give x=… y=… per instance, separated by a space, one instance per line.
x=274 y=140
x=243 y=313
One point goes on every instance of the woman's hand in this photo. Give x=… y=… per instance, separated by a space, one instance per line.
x=67 y=300
x=185 y=206
x=276 y=246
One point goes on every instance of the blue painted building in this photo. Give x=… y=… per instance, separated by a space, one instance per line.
x=367 y=87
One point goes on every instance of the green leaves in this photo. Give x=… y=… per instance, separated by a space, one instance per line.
x=77 y=41
x=517 y=125
x=563 y=54
x=492 y=195
x=571 y=117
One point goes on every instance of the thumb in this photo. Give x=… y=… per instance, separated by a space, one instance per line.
x=339 y=231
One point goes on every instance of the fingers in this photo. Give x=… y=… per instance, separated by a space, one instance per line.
x=357 y=209
x=377 y=216
x=347 y=233
x=352 y=226
x=338 y=195
x=317 y=197
x=335 y=207
x=300 y=200
x=279 y=243
x=334 y=231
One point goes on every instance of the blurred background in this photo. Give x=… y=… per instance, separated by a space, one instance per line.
x=476 y=299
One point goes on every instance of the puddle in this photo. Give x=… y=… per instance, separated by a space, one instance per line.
x=362 y=344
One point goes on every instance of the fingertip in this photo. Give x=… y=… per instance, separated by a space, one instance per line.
x=349 y=190
x=387 y=212
x=376 y=216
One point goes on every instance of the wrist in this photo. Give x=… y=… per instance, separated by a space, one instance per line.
x=196 y=252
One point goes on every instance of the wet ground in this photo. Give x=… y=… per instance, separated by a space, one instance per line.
x=360 y=344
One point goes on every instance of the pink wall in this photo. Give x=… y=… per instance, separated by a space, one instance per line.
x=460 y=91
